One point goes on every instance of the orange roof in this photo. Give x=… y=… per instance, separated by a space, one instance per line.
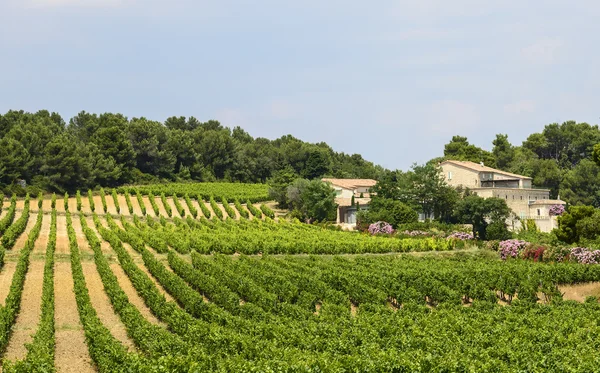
x=479 y=168
x=351 y=183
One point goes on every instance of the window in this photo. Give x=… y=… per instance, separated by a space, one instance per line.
x=506 y=196
x=539 y=212
x=521 y=198
x=513 y=197
x=449 y=175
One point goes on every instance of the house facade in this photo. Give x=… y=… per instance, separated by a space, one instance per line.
x=526 y=201
x=345 y=190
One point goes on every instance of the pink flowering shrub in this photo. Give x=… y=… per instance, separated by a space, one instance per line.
x=511 y=248
x=380 y=227
x=461 y=236
x=557 y=210
x=585 y=256
x=416 y=233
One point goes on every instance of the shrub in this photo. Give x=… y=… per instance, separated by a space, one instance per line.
x=535 y=252
x=497 y=231
x=557 y=210
x=584 y=255
x=461 y=236
x=511 y=248
x=380 y=227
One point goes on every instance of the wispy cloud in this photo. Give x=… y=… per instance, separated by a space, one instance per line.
x=75 y=3
x=543 y=52
x=520 y=107
x=447 y=117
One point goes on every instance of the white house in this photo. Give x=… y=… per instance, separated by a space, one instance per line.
x=345 y=189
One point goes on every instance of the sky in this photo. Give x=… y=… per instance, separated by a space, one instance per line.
x=390 y=80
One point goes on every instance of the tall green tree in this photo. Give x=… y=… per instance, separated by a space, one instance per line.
x=503 y=151
x=480 y=212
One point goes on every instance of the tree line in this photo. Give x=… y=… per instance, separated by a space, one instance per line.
x=110 y=149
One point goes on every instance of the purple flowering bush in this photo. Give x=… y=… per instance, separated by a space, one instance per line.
x=416 y=233
x=380 y=227
x=461 y=236
x=584 y=255
x=557 y=210
x=511 y=248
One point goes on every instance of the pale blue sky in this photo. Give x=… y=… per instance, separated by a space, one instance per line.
x=391 y=80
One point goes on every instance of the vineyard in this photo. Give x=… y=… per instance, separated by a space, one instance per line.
x=146 y=280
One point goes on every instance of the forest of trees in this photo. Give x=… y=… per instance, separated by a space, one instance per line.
x=110 y=149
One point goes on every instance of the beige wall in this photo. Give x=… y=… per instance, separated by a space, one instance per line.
x=460 y=176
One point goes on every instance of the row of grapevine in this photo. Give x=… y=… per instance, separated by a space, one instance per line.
x=10 y=310
x=267 y=211
x=153 y=204
x=275 y=328
x=215 y=207
x=230 y=212
x=107 y=352
x=8 y=219
x=267 y=236
x=191 y=206
x=129 y=204
x=243 y=212
x=141 y=203
x=40 y=354
x=115 y=199
x=166 y=205
x=154 y=340
x=9 y=238
x=231 y=191
x=253 y=210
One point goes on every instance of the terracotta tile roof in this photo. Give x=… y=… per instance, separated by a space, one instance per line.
x=351 y=183
x=346 y=202
x=479 y=168
x=549 y=202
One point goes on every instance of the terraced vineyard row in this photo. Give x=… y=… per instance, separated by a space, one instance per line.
x=136 y=203
x=93 y=291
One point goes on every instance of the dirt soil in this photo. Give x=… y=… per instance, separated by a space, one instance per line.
x=123 y=205
x=6 y=276
x=62 y=240
x=71 y=350
x=103 y=306
x=42 y=241
x=137 y=258
x=30 y=312
x=579 y=292
x=132 y=294
x=173 y=208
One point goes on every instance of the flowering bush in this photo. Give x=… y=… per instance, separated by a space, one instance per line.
x=380 y=227
x=461 y=236
x=534 y=252
x=585 y=256
x=557 y=210
x=511 y=248
x=416 y=233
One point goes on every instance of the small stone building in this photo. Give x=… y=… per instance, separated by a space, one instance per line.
x=345 y=189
